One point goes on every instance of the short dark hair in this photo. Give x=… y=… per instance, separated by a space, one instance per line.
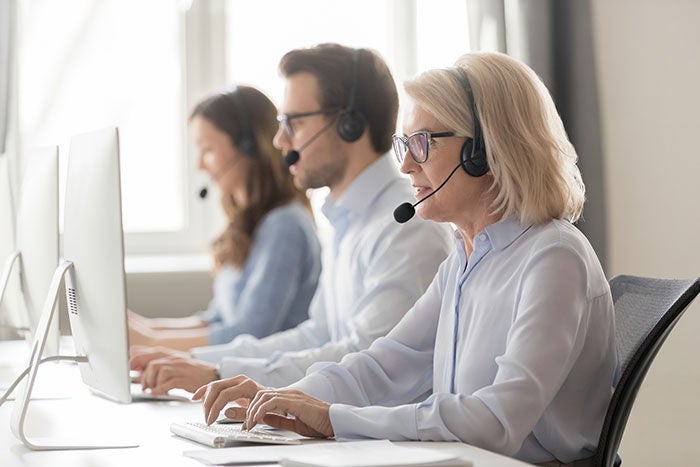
x=375 y=91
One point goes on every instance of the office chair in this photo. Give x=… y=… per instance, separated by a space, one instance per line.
x=646 y=310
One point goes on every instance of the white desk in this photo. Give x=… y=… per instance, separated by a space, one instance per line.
x=147 y=422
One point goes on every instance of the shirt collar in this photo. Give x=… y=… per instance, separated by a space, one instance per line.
x=362 y=192
x=504 y=232
x=499 y=234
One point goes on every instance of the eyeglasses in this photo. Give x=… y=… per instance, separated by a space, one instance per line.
x=418 y=143
x=285 y=120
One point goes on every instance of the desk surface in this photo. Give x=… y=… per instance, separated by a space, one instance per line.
x=80 y=413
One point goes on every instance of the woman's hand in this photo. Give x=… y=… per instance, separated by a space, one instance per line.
x=309 y=416
x=142 y=355
x=163 y=374
x=258 y=404
x=216 y=395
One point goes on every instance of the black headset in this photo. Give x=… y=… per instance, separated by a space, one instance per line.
x=246 y=139
x=473 y=153
x=351 y=122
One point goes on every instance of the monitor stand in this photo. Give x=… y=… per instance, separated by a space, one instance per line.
x=19 y=411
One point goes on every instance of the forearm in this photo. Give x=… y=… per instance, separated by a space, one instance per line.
x=443 y=417
x=170 y=324
x=183 y=339
x=393 y=423
x=268 y=372
x=306 y=335
x=282 y=368
x=387 y=374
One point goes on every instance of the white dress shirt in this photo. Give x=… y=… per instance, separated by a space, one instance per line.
x=517 y=344
x=373 y=272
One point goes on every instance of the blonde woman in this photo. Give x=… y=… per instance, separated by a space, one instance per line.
x=514 y=337
x=267 y=259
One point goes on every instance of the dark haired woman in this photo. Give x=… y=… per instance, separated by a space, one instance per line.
x=267 y=259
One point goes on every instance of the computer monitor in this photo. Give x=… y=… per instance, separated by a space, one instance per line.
x=35 y=256
x=93 y=243
x=93 y=271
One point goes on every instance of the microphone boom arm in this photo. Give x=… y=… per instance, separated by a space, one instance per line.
x=406 y=211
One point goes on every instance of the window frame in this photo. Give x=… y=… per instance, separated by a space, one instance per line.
x=202 y=49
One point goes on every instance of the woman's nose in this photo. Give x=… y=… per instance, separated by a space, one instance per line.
x=408 y=165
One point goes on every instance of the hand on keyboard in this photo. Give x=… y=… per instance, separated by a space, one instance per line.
x=310 y=416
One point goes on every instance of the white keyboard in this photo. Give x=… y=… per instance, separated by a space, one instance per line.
x=221 y=436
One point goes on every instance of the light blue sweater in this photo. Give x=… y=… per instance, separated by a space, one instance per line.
x=272 y=291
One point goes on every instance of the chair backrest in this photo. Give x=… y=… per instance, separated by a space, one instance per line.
x=646 y=310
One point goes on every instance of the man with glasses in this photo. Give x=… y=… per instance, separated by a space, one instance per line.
x=336 y=125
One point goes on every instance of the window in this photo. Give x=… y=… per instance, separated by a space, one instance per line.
x=442 y=33
x=411 y=35
x=142 y=65
x=85 y=65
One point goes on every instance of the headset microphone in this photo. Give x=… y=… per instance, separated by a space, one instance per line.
x=292 y=157
x=204 y=191
x=406 y=211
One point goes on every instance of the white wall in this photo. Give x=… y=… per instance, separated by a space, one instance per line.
x=648 y=64
x=168 y=286
x=168 y=294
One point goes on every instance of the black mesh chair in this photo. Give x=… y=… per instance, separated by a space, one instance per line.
x=646 y=310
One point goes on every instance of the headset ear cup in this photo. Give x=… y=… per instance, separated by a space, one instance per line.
x=351 y=125
x=473 y=162
x=479 y=164
x=247 y=146
x=465 y=155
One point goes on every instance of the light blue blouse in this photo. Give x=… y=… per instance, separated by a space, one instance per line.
x=273 y=289
x=516 y=344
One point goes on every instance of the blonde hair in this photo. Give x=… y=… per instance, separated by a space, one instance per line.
x=531 y=160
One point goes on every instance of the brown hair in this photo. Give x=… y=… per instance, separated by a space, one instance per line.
x=268 y=184
x=375 y=91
